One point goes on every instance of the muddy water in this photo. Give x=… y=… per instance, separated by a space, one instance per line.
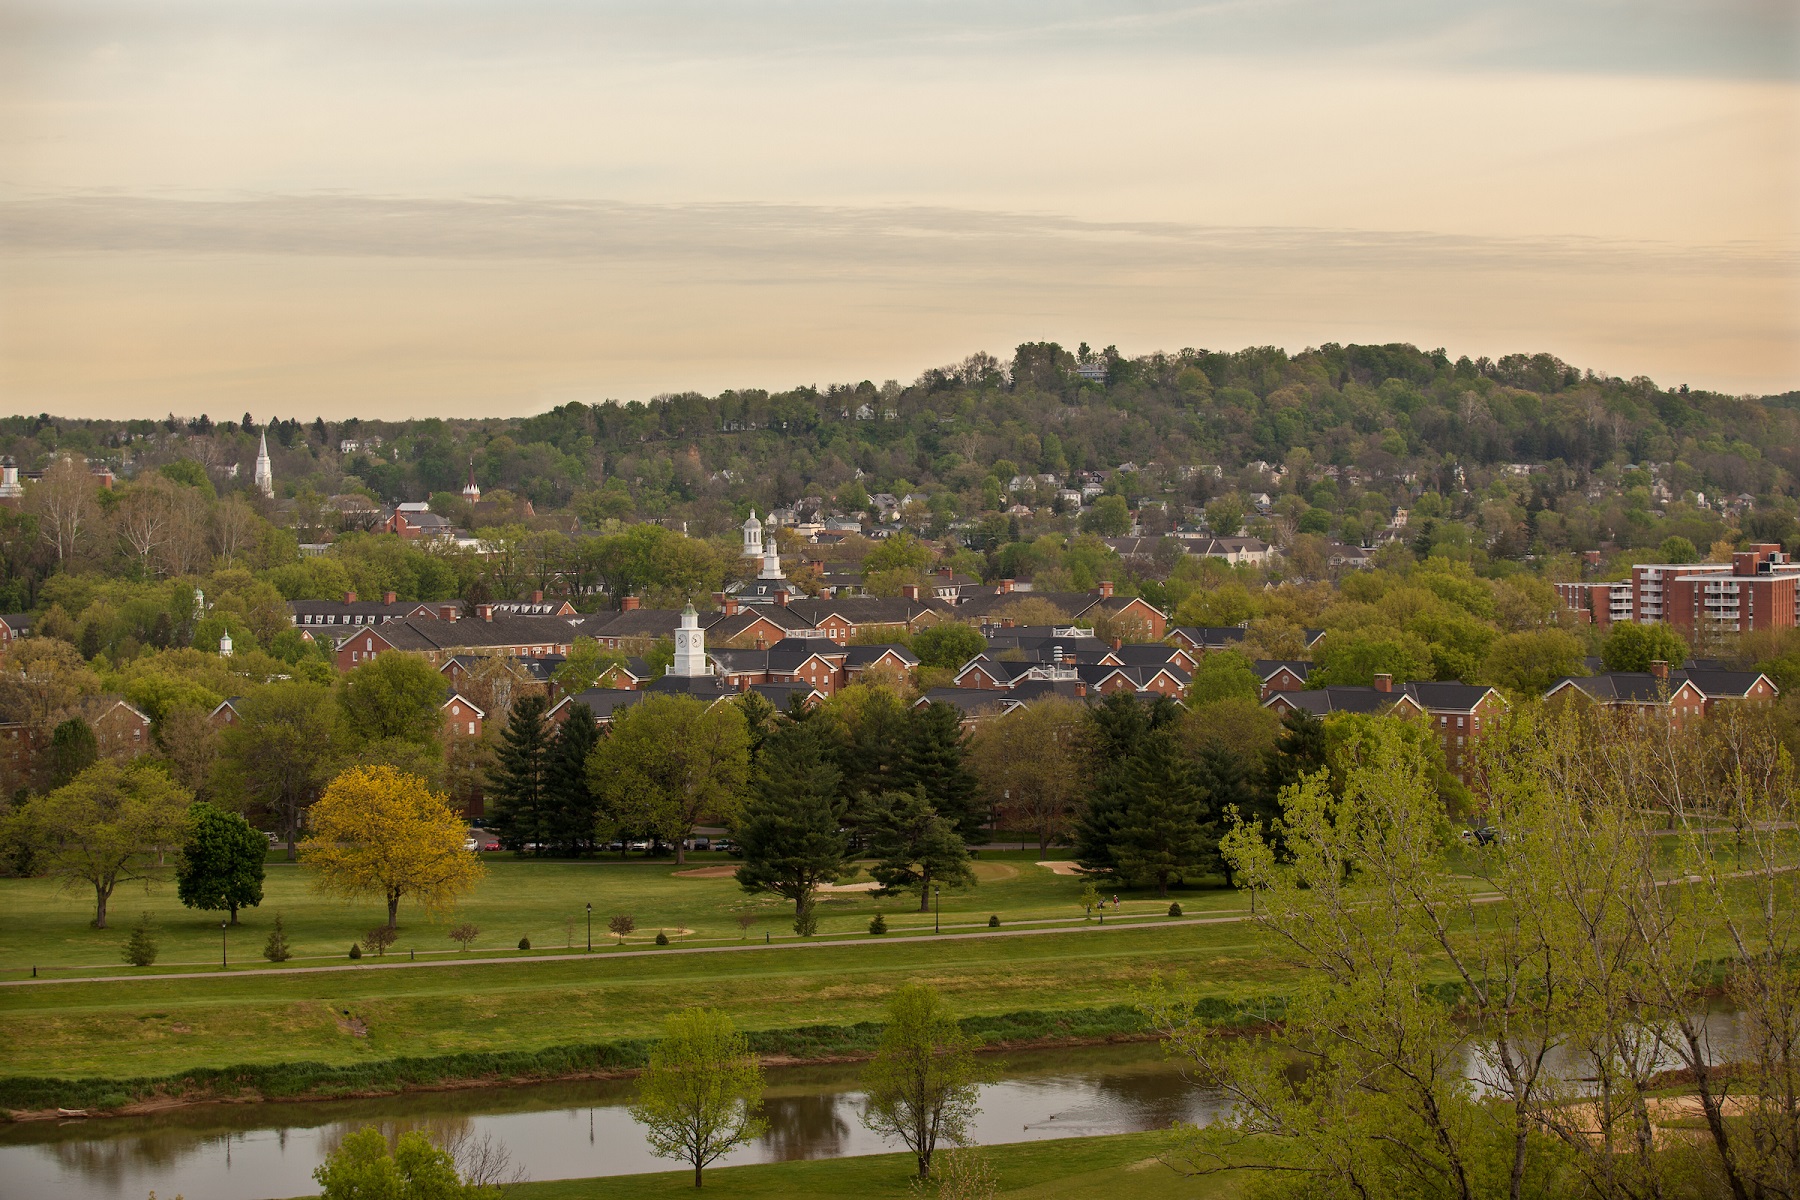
x=565 y=1130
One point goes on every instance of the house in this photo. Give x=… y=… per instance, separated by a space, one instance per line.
x=485 y=633
x=1281 y=675
x=1456 y=711
x=226 y=714
x=1207 y=639
x=461 y=717
x=410 y=523
x=312 y=614
x=1083 y=607
x=120 y=728
x=14 y=626
x=845 y=617
x=1682 y=696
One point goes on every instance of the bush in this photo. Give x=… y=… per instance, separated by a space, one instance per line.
x=1174 y=910
x=994 y=921
x=276 y=948
x=379 y=939
x=662 y=939
x=355 y=950
x=524 y=943
x=140 y=947
x=877 y=924
x=464 y=934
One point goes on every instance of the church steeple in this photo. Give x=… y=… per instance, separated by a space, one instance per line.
x=470 y=491
x=690 y=646
x=753 y=537
x=265 y=476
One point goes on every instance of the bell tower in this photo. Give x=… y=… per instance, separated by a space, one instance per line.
x=690 y=646
x=753 y=537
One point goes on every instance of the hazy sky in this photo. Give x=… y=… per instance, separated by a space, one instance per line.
x=404 y=207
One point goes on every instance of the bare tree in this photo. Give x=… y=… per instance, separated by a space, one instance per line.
x=64 y=503
x=143 y=517
x=234 y=528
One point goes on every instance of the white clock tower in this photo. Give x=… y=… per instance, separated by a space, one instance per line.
x=690 y=646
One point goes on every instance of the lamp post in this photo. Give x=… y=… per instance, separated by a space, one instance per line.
x=223 y=964
x=937 y=908
x=590 y=916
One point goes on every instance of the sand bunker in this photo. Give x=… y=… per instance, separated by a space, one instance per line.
x=707 y=873
x=868 y=886
x=1062 y=868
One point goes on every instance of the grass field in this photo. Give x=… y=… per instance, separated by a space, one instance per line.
x=1120 y=1166
x=544 y=901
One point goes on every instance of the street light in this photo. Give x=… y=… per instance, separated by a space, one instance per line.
x=937 y=908
x=590 y=912
x=223 y=926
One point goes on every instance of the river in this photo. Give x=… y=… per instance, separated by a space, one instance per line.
x=566 y=1130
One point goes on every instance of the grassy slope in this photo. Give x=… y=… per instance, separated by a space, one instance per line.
x=1122 y=1165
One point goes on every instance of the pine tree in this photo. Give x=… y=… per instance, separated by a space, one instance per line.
x=518 y=784
x=789 y=829
x=573 y=807
x=222 y=862
x=276 y=948
x=935 y=763
x=1165 y=827
x=140 y=947
x=915 y=847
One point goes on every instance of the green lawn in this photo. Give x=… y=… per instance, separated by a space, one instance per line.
x=47 y=926
x=1120 y=1166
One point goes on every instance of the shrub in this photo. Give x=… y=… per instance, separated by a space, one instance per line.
x=524 y=943
x=621 y=925
x=140 y=947
x=1174 y=910
x=877 y=924
x=379 y=939
x=276 y=948
x=355 y=950
x=465 y=933
x=744 y=921
x=994 y=921
x=662 y=939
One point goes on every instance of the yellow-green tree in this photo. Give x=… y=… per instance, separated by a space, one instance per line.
x=377 y=831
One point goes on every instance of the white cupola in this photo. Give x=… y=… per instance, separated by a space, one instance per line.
x=690 y=646
x=753 y=537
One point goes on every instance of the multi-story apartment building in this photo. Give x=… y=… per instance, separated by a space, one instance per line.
x=1758 y=589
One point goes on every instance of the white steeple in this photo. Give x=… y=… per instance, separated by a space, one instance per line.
x=471 y=492
x=753 y=531
x=690 y=646
x=225 y=645
x=265 y=478
x=771 y=562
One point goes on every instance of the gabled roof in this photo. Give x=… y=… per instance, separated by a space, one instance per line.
x=1211 y=637
x=865 y=610
x=1268 y=668
x=720 y=627
x=859 y=657
x=467 y=703
x=603 y=702
x=971 y=702
x=1320 y=701
x=1434 y=696
x=431 y=635
x=1727 y=685
x=17 y=622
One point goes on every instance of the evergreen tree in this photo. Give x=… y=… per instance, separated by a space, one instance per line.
x=222 y=862
x=935 y=762
x=789 y=831
x=140 y=947
x=1164 y=826
x=518 y=785
x=915 y=847
x=276 y=949
x=1299 y=751
x=573 y=809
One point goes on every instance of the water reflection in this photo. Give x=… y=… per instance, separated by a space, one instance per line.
x=562 y=1131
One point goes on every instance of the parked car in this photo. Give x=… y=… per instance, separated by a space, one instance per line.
x=641 y=844
x=700 y=843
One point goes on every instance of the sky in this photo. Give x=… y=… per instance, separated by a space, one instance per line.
x=399 y=208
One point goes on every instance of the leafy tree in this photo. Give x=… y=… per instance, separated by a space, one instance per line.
x=1355 y=658
x=584 y=665
x=1677 y=549
x=669 y=762
x=1224 y=675
x=521 y=808
x=279 y=754
x=789 y=828
x=378 y=832
x=1110 y=516
x=1529 y=662
x=934 y=762
x=924 y=1081
x=1032 y=766
x=393 y=696
x=914 y=847
x=574 y=808
x=701 y=1095
x=1633 y=647
x=362 y=1169
x=113 y=823
x=1225 y=516
x=621 y=925
x=73 y=749
x=222 y=863
x=948 y=645
x=902 y=552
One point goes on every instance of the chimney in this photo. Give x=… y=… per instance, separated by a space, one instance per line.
x=761 y=642
x=1384 y=682
x=628 y=604
x=1118 y=643
x=1006 y=587
x=945 y=573
x=446 y=612
x=1006 y=623
x=1080 y=687
x=349 y=597
x=485 y=611
x=817 y=564
x=910 y=591
x=781 y=596
x=731 y=606
x=1660 y=668
x=537 y=597
x=1105 y=587
x=389 y=597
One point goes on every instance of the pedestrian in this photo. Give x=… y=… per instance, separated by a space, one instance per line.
x=1115 y=902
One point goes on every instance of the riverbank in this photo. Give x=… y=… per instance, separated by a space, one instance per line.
x=1116 y=1165
x=25 y=1098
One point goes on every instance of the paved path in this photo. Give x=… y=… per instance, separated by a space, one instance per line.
x=741 y=948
